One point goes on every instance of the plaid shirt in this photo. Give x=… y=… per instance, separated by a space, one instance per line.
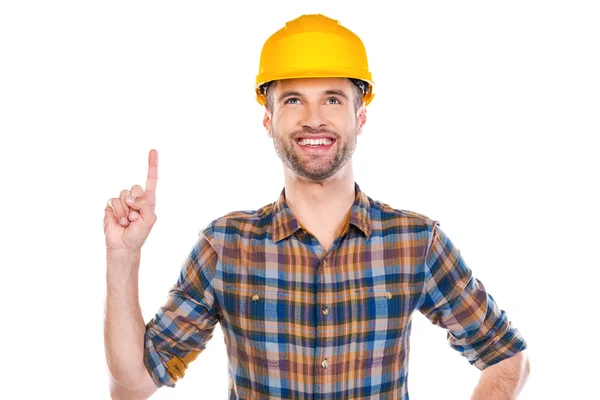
x=300 y=322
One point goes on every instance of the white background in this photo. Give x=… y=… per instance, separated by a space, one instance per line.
x=486 y=118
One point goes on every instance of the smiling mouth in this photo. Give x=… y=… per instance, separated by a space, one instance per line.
x=320 y=142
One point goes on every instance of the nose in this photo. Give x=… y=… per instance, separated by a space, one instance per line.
x=313 y=118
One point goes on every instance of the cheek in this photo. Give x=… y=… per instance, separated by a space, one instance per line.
x=285 y=122
x=344 y=128
x=288 y=118
x=340 y=117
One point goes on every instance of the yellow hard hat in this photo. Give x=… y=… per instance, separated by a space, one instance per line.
x=314 y=46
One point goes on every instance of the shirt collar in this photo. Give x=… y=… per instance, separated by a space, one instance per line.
x=284 y=223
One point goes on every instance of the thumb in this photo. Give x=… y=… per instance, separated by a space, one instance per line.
x=142 y=205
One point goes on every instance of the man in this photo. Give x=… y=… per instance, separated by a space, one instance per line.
x=315 y=291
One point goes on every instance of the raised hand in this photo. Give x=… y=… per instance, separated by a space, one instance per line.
x=128 y=224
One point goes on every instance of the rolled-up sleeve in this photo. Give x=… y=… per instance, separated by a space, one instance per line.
x=182 y=327
x=455 y=300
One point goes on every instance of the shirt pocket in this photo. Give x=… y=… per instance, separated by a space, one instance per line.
x=259 y=321
x=381 y=316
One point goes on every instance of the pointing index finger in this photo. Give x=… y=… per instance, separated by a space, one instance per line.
x=152 y=179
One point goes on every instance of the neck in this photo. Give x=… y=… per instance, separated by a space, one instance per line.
x=322 y=205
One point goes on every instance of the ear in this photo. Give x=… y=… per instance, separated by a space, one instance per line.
x=267 y=122
x=361 y=116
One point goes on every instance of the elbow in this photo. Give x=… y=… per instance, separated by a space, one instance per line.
x=515 y=367
x=525 y=365
x=521 y=367
x=523 y=371
x=128 y=392
x=520 y=363
x=117 y=391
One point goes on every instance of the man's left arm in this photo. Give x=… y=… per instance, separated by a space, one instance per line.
x=503 y=380
x=477 y=327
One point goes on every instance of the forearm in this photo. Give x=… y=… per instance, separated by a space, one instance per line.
x=504 y=380
x=124 y=326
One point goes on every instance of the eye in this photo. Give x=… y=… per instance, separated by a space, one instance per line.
x=333 y=100
x=291 y=100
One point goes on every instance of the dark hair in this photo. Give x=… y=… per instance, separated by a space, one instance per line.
x=360 y=88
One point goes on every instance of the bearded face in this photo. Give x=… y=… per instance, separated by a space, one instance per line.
x=314 y=125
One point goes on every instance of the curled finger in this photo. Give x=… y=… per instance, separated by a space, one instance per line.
x=123 y=197
x=117 y=206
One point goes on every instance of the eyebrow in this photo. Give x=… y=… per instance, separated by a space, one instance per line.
x=337 y=92
x=289 y=93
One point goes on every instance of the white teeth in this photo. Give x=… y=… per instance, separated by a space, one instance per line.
x=315 y=142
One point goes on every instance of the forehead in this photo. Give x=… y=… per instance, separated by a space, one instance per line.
x=313 y=84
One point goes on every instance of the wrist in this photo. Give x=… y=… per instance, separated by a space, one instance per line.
x=123 y=253
x=122 y=263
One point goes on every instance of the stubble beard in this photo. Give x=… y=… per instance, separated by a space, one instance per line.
x=315 y=167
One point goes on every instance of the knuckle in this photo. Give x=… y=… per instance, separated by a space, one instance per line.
x=124 y=193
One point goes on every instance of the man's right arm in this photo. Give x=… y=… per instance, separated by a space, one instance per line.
x=124 y=329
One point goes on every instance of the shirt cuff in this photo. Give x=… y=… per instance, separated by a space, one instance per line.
x=156 y=364
x=503 y=347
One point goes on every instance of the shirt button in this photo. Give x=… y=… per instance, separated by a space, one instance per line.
x=325 y=310
x=388 y=295
x=255 y=297
x=324 y=263
x=325 y=364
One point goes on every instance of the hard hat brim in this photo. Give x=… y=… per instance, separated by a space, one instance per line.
x=299 y=73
